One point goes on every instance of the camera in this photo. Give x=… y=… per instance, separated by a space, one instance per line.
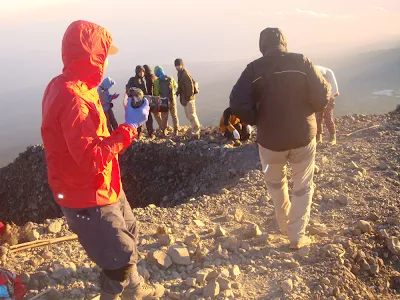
x=157 y=104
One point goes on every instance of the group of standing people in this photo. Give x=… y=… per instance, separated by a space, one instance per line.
x=280 y=93
x=162 y=85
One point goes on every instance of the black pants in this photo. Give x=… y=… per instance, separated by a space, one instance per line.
x=149 y=126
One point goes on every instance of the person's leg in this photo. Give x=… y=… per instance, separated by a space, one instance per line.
x=319 y=117
x=330 y=121
x=274 y=168
x=136 y=289
x=192 y=116
x=157 y=116
x=174 y=114
x=112 y=119
x=114 y=250
x=302 y=161
x=149 y=125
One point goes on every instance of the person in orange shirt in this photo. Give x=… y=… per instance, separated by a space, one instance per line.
x=233 y=128
x=82 y=161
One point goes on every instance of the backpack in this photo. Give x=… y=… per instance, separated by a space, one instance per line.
x=196 y=88
x=165 y=90
x=11 y=286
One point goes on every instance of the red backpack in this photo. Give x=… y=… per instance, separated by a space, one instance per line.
x=16 y=290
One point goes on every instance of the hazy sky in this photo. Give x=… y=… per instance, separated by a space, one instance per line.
x=157 y=31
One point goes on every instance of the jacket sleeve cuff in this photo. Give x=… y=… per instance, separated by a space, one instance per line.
x=129 y=132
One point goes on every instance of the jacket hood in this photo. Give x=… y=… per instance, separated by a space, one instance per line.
x=272 y=39
x=147 y=71
x=159 y=71
x=85 y=47
x=138 y=69
x=107 y=83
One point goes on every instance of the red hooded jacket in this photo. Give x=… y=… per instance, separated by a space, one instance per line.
x=82 y=156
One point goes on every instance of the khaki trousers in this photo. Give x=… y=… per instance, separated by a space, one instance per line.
x=292 y=215
x=191 y=115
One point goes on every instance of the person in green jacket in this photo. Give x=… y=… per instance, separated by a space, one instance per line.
x=165 y=87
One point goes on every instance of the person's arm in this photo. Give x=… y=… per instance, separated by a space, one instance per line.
x=188 y=86
x=330 y=77
x=319 y=91
x=242 y=103
x=91 y=152
x=130 y=83
x=157 y=87
x=174 y=83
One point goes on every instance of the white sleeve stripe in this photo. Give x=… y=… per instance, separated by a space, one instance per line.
x=291 y=71
x=257 y=79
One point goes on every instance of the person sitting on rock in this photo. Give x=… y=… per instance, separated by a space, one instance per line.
x=164 y=87
x=82 y=162
x=106 y=102
x=233 y=128
x=139 y=81
x=280 y=93
x=327 y=114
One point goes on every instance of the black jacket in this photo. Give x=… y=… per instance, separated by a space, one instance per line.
x=138 y=82
x=280 y=92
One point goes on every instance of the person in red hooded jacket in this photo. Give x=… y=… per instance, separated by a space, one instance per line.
x=82 y=161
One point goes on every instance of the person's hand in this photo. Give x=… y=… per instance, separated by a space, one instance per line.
x=249 y=129
x=336 y=95
x=114 y=96
x=236 y=135
x=136 y=117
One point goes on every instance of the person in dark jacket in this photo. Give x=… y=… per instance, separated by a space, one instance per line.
x=280 y=93
x=187 y=97
x=139 y=81
x=150 y=81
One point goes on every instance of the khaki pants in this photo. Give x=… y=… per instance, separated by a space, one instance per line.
x=292 y=216
x=190 y=112
x=162 y=118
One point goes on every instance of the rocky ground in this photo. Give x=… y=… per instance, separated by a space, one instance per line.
x=214 y=236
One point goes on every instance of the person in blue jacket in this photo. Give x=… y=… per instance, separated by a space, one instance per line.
x=106 y=102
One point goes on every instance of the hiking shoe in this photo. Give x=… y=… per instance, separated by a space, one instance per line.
x=319 y=138
x=176 y=131
x=332 y=140
x=143 y=291
x=304 y=241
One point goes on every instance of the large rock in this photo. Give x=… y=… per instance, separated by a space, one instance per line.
x=238 y=215
x=364 y=226
x=211 y=290
x=393 y=245
x=201 y=275
x=235 y=272
x=219 y=231
x=179 y=255
x=343 y=200
x=287 y=286
x=32 y=235
x=230 y=243
x=166 y=239
x=159 y=258
x=63 y=270
x=54 y=227
x=253 y=231
x=192 y=240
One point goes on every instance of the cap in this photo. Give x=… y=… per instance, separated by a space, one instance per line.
x=113 y=50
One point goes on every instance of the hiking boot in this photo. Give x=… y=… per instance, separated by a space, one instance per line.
x=143 y=291
x=319 y=138
x=332 y=140
x=176 y=131
x=302 y=242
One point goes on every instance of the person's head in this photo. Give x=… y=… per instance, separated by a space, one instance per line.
x=147 y=70
x=139 y=71
x=85 y=48
x=179 y=64
x=107 y=83
x=271 y=40
x=159 y=71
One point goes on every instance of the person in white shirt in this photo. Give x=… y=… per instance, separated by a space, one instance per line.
x=327 y=114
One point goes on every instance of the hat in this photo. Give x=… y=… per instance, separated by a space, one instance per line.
x=113 y=50
x=178 y=62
